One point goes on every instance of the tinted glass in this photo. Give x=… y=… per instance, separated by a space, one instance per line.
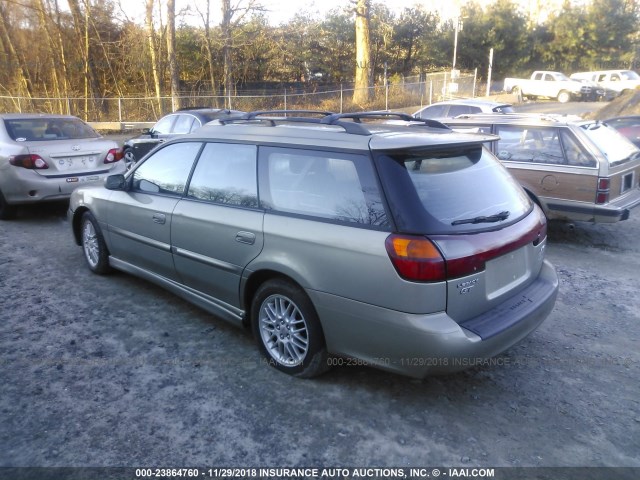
x=183 y=124
x=226 y=173
x=164 y=125
x=433 y=192
x=613 y=145
x=38 y=129
x=322 y=184
x=455 y=110
x=167 y=170
x=434 y=111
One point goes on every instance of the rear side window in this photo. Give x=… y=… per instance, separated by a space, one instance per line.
x=613 y=145
x=333 y=186
x=441 y=192
x=455 y=110
x=226 y=173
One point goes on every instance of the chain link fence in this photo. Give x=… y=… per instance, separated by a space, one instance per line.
x=397 y=94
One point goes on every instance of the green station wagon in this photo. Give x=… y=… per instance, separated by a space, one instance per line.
x=405 y=247
x=575 y=170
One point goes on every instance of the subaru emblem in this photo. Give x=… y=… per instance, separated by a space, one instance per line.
x=75 y=148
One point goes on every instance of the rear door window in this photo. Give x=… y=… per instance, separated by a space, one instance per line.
x=527 y=144
x=226 y=173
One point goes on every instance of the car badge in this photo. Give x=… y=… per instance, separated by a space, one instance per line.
x=75 y=148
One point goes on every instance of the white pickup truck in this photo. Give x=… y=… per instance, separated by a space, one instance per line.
x=549 y=84
x=618 y=81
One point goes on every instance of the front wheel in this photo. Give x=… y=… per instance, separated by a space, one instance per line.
x=287 y=329
x=564 y=96
x=129 y=158
x=93 y=245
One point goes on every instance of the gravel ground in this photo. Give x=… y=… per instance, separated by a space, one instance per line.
x=113 y=371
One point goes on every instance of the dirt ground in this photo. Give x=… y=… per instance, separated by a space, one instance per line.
x=112 y=371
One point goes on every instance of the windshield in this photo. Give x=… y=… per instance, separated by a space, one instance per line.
x=452 y=191
x=614 y=146
x=46 y=129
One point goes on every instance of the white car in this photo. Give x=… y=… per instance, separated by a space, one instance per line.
x=453 y=108
x=618 y=81
x=45 y=157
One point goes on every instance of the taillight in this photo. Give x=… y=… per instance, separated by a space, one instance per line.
x=602 y=195
x=416 y=258
x=445 y=257
x=114 y=155
x=30 y=161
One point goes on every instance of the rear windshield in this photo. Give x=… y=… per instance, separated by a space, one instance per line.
x=613 y=145
x=450 y=191
x=46 y=129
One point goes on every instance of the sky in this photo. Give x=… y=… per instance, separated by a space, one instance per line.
x=281 y=11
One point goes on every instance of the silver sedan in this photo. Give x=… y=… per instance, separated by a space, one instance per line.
x=45 y=157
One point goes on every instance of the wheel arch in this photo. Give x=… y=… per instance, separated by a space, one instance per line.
x=534 y=198
x=253 y=283
x=76 y=223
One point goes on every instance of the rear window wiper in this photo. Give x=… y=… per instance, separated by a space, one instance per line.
x=482 y=219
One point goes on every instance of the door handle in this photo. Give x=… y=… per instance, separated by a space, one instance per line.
x=246 y=237
x=160 y=218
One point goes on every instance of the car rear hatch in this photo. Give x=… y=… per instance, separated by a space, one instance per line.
x=621 y=174
x=72 y=157
x=61 y=146
x=462 y=219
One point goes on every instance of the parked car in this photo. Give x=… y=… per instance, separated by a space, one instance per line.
x=453 y=108
x=628 y=126
x=583 y=170
x=405 y=247
x=181 y=122
x=550 y=85
x=617 y=81
x=44 y=157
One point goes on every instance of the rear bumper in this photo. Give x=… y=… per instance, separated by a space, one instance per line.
x=615 y=211
x=420 y=345
x=23 y=186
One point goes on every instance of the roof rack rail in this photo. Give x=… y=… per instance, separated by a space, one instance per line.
x=185 y=109
x=355 y=127
x=285 y=113
x=357 y=116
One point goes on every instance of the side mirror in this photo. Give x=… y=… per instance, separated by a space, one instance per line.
x=115 y=182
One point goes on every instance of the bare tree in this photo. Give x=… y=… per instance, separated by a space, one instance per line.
x=24 y=77
x=174 y=73
x=208 y=43
x=152 y=45
x=363 y=53
x=229 y=23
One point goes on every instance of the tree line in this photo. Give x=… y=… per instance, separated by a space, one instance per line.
x=93 y=51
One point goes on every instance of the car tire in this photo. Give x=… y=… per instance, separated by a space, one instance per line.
x=94 y=247
x=7 y=211
x=129 y=158
x=564 y=96
x=287 y=329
